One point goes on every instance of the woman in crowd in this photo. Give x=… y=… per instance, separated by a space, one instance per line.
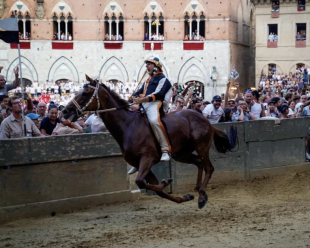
x=49 y=123
x=257 y=109
x=291 y=109
x=284 y=110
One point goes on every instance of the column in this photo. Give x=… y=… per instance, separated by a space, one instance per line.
x=150 y=29
x=157 y=28
x=24 y=28
x=198 y=22
x=190 y=29
x=117 y=29
x=66 y=24
x=58 y=21
x=110 y=29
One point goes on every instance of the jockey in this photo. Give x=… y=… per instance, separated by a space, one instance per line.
x=155 y=92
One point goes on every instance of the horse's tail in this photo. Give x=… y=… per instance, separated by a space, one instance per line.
x=225 y=142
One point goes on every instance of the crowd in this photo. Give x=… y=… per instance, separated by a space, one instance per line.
x=194 y=36
x=113 y=37
x=278 y=95
x=26 y=36
x=62 y=36
x=154 y=36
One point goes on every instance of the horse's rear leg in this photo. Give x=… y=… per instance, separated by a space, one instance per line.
x=144 y=170
x=209 y=169
x=196 y=160
x=151 y=178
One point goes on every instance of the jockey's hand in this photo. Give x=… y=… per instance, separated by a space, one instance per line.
x=140 y=100
x=141 y=96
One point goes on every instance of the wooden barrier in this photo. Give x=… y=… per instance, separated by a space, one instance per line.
x=40 y=176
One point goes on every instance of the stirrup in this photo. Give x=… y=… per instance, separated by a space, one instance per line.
x=133 y=170
x=165 y=157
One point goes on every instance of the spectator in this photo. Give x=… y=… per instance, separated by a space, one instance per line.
x=146 y=36
x=35 y=119
x=179 y=104
x=291 y=106
x=270 y=37
x=257 y=109
x=4 y=101
x=41 y=110
x=272 y=109
x=298 y=36
x=213 y=112
x=243 y=112
x=16 y=125
x=284 y=111
x=49 y=123
x=4 y=87
x=196 y=104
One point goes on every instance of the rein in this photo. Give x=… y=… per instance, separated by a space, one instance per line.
x=81 y=111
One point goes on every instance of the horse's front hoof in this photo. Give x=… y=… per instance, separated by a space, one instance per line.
x=203 y=203
x=190 y=197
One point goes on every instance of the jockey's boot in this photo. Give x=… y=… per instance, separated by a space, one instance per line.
x=165 y=157
x=133 y=170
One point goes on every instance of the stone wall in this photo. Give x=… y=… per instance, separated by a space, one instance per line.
x=41 y=176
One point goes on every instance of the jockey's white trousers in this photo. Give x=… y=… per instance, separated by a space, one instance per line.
x=152 y=112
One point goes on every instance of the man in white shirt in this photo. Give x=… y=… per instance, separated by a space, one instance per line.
x=213 y=112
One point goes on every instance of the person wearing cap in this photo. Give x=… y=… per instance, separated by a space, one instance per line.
x=35 y=119
x=154 y=94
x=213 y=112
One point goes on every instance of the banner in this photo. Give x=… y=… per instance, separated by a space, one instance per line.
x=234 y=74
x=9 y=30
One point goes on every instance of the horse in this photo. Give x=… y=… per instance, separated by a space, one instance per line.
x=188 y=131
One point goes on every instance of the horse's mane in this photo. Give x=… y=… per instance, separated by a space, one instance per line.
x=115 y=96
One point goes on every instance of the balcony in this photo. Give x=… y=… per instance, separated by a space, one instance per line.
x=275 y=14
x=272 y=44
x=23 y=45
x=153 y=45
x=300 y=43
x=113 y=44
x=62 y=45
x=193 y=45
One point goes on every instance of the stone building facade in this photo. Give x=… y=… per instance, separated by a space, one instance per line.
x=226 y=25
x=287 y=20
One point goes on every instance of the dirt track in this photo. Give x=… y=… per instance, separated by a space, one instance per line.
x=266 y=212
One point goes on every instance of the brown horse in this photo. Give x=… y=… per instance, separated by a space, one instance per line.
x=188 y=130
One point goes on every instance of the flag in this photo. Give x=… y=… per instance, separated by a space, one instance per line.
x=234 y=74
x=9 y=30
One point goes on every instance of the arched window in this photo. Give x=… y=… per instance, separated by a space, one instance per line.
x=114 y=27
x=24 y=26
x=194 y=27
x=161 y=29
x=62 y=27
x=147 y=28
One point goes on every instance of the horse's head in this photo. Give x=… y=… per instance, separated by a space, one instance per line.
x=85 y=100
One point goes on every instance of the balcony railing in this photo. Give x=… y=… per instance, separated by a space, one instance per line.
x=23 y=45
x=113 y=44
x=272 y=44
x=300 y=43
x=62 y=45
x=193 y=45
x=153 y=45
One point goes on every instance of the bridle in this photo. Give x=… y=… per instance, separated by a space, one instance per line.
x=81 y=110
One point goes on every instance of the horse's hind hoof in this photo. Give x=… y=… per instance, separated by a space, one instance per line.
x=167 y=180
x=189 y=197
x=203 y=203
